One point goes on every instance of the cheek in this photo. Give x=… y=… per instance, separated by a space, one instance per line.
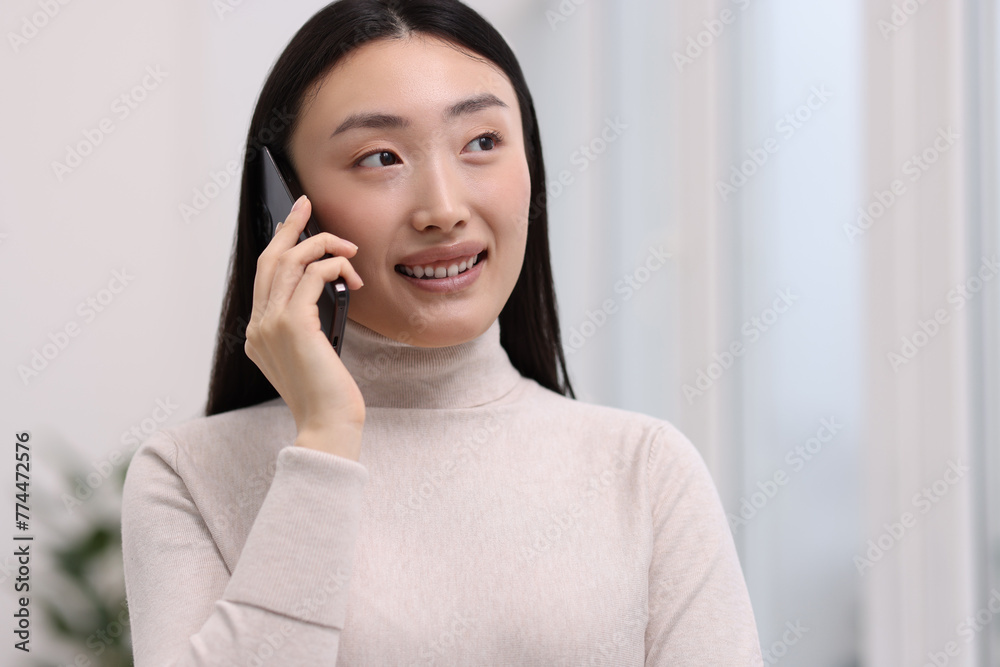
x=357 y=217
x=519 y=203
x=505 y=198
x=360 y=221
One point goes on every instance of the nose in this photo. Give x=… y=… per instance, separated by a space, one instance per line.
x=441 y=197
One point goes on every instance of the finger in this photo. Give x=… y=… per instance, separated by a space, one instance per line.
x=287 y=233
x=316 y=275
x=293 y=263
x=297 y=218
x=285 y=237
x=314 y=247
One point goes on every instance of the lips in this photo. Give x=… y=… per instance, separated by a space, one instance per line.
x=442 y=261
x=440 y=269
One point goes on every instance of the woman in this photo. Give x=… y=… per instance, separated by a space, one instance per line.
x=434 y=495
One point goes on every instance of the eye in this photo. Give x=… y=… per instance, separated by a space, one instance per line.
x=486 y=141
x=384 y=159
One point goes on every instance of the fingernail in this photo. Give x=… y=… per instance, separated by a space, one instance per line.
x=298 y=203
x=355 y=245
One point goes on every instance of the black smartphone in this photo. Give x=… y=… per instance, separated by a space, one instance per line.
x=281 y=190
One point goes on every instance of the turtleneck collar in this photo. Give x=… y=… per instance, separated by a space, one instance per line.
x=391 y=374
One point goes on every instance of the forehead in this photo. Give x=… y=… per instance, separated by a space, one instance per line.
x=417 y=73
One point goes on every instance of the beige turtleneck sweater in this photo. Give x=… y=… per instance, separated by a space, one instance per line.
x=489 y=521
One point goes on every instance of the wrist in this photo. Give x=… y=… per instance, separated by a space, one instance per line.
x=342 y=440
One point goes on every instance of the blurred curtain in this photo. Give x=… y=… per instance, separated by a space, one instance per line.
x=822 y=177
x=924 y=453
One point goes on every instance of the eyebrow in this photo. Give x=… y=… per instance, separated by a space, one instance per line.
x=385 y=121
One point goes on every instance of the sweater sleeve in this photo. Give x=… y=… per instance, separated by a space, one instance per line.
x=699 y=606
x=284 y=601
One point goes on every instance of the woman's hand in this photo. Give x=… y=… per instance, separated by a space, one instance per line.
x=286 y=341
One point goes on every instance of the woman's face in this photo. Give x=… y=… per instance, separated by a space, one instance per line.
x=398 y=152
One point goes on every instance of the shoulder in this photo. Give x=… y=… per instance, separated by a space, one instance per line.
x=661 y=443
x=218 y=467
x=250 y=433
x=213 y=456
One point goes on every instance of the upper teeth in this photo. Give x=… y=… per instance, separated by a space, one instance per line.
x=441 y=271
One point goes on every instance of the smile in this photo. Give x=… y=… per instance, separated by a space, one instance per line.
x=438 y=270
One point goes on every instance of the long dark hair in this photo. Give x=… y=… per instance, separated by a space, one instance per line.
x=529 y=325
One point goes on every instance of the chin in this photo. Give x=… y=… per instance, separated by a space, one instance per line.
x=429 y=331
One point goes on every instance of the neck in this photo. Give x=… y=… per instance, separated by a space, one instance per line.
x=391 y=374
